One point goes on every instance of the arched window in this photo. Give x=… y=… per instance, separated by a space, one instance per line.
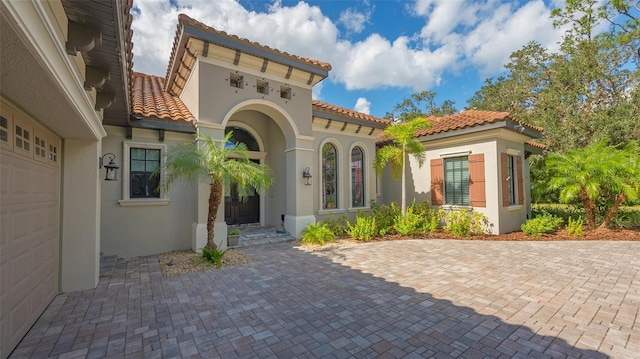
x=241 y=136
x=357 y=177
x=329 y=177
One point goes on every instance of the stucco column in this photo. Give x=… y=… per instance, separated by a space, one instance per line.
x=80 y=232
x=300 y=209
x=199 y=228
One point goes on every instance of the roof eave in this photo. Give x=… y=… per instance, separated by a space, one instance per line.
x=347 y=119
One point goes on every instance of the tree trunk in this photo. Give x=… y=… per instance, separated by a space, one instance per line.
x=620 y=199
x=215 y=196
x=589 y=208
x=403 y=205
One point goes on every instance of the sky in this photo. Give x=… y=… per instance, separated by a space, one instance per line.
x=380 y=51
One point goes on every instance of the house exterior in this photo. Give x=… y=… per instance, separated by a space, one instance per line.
x=475 y=160
x=70 y=103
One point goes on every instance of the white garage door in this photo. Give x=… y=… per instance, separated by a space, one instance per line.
x=29 y=210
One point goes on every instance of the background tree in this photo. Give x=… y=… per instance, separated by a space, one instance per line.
x=221 y=165
x=601 y=176
x=587 y=91
x=403 y=142
x=420 y=104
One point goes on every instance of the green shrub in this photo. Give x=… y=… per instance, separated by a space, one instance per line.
x=317 y=234
x=627 y=217
x=420 y=218
x=574 y=227
x=545 y=223
x=337 y=225
x=558 y=210
x=213 y=256
x=463 y=223
x=364 y=229
x=385 y=217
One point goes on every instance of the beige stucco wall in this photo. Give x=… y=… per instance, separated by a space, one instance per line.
x=491 y=143
x=146 y=229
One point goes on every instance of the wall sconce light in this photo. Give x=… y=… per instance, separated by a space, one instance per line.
x=307 y=176
x=112 y=167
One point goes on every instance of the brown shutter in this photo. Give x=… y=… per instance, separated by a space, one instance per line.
x=477 y=192
x=437 y=182
x=520 y=177
x=503 y=176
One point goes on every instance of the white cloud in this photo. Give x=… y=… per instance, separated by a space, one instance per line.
x=456 y=35
x=353 y=20
x=363 y=105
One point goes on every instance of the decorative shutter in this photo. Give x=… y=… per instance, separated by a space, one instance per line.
x=437 y=182
x=503 y=176
x=477 y=192
x=520 y=175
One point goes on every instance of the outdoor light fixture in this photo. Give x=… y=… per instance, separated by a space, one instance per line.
x=307 y=176
x=112 y=167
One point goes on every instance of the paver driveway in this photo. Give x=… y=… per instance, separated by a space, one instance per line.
x=411 y=298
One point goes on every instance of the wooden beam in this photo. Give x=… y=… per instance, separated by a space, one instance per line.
x=205 y=49
x=343 y=127
x=264 y=65
x=311 y=79
x=328 y=124
x=289 y=71
x=236 y=60
x=161 y=135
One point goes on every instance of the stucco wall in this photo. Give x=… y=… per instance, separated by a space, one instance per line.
x=129 y=231
x=217 y=98
x=513 y=216
x=344 y=144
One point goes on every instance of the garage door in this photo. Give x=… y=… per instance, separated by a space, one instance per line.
x=29 y=207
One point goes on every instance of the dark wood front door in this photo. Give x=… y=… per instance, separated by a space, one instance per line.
x=241 y=211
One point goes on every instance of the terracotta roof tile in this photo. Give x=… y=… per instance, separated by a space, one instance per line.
x=469 y=118
x=185 y=19
x=537 y=145
x=465 y=119
x=327 y=107
x=150 y=100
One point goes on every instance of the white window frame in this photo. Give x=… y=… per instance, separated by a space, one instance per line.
x=366 y=171
x=126 y=200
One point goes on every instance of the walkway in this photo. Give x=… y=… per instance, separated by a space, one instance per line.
x=415 y=299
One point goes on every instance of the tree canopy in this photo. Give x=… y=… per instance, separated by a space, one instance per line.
x=420 y=104
x=589 y=90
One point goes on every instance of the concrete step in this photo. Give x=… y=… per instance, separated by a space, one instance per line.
x=253 y=236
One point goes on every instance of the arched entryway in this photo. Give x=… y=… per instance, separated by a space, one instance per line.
x=238 y=210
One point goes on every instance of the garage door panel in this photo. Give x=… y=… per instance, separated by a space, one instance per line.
x=29 y=253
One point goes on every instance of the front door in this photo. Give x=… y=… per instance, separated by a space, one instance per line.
x=241 y=211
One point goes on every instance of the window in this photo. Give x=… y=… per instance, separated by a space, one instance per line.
x=236 y=80
x=23 y=138
x=4 y=129
x=144 y=184
x=329 y=177
x=456 y=181
x=53 y=153
x=357 y=177
x=511 y=180
x=41 y=148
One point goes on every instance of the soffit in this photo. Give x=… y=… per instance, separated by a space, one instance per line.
x=113 y=52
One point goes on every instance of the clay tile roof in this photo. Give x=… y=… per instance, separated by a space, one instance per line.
x=327 y=107
x=536 y=145
x=185 y=19
x=150 y=100
x=468 y=118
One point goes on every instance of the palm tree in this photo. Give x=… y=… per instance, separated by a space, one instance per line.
x=221 y=164
x=600 y=176
x=403 y=142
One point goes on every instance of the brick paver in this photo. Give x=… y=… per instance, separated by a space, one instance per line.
x=414 y=299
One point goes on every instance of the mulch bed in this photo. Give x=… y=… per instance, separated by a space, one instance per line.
x=617 y=234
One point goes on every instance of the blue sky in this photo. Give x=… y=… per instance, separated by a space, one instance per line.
x=381 y=51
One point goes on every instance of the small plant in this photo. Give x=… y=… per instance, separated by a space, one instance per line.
x=385 y=217
x=233 y=232
x=546 y=223
x=420 y=218
x=574 y=227
x=213 y=256
x=364 y=229
x=337 y=225
x=463 y=223
x=317 y=234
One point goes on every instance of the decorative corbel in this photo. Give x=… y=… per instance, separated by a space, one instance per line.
x=82 y=37
x=95 y=77
x=104 y=99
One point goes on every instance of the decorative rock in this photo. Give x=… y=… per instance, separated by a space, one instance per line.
x=172 y=262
